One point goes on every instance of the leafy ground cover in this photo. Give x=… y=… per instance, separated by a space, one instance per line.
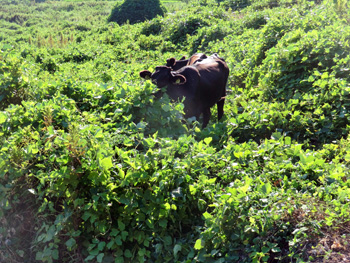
x=94 y=168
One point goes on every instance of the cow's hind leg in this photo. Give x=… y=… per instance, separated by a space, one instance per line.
x=206 y=117
x=220 y=106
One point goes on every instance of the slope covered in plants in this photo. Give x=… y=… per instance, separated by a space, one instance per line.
x=94 y=168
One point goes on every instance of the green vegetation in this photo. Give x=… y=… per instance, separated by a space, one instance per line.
x=135 y=11
x=94 y=168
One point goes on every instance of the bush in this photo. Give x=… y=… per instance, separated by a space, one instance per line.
x=12 y=80
x=153 y=27
x=235 y=4
x=207 y=35
x=136 y=11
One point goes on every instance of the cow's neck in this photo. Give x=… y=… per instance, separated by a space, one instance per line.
x=175 y=92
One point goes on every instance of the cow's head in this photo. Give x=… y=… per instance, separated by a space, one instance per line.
x=145 y=74
x=163 y=76
x=176 y=64
x=170 y=62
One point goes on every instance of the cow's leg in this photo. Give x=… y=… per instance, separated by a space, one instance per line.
x=206 y=117
x=220 y=106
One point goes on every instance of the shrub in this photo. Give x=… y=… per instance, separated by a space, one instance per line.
x=207 y=35
x=12 y=81
x=136 y=11
x=235 y=4
x=153 y=27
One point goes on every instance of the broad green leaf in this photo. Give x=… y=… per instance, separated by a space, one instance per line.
x=193 y=190
x=127 y=253
x=208 y=140
x=199 y=244
x=101 y=245
x=276 y=136
x=70 y=243
x=106 y=163
x=119 y=260
x=54 y=254
x=288 y=140
x=20 y=253
x=51 y=233
x=142 y=252
x=202 y=204
x=266 y=188
x=99 y=133
x=110 y=244
x=99 y=258
x=163 y=223
x=166 y=108
x=118 y=240
x=88 y=258
x=3 y=117
x=124 y=235
x=347 y=157
x=276 y=250
x=265 y=249
x=207 y=215
x=167 y=206
x=177 y=249
x=168 y=240
x=149 y=223
x=121 y=225
x=115 y=232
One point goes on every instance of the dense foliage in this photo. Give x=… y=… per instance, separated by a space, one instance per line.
x=95 y=168
x=135 y=11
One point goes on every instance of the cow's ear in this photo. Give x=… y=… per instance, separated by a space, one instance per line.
x=183 y=58
x=170 y=62
x=145 y=74
x=178 y=79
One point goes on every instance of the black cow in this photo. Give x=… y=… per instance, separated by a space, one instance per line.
x=202 y=84
x=177 y=64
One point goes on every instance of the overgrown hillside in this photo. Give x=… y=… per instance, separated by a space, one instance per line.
x=95 y=168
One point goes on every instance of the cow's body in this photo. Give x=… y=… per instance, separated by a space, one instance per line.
x=182 y=62
x=202 y=84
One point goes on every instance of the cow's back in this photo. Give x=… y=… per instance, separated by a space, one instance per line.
x=213 y=79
